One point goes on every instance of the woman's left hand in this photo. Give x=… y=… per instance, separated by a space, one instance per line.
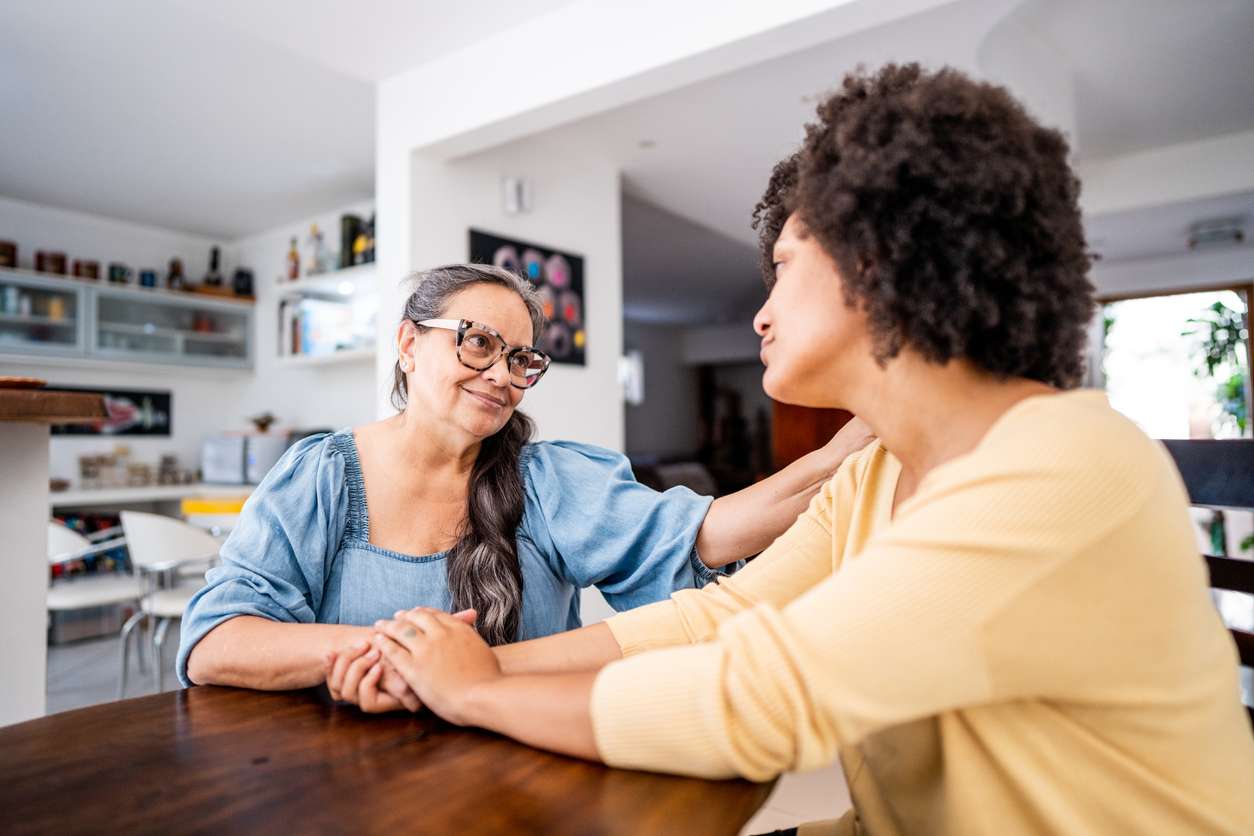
x=441 y=657
x=357 y=674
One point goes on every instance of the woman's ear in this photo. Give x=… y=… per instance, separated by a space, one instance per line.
x=406 y=336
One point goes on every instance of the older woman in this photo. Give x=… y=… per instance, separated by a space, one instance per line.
x=995 y=615
x=447 y=505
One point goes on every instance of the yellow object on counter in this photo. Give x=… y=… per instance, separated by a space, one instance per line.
x=213 y=505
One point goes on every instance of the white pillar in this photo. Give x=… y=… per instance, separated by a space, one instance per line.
x=24 y=589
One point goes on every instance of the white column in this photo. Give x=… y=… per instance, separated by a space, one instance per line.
x=23 y=560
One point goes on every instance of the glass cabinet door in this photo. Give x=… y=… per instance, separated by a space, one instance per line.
x=140 y=325
x=40 y=315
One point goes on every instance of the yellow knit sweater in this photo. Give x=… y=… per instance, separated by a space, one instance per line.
x=1027 y=646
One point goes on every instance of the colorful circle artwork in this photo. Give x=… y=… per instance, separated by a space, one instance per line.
x=533 y=265
x=506 y=257
x=557 y=269
x=558 y=280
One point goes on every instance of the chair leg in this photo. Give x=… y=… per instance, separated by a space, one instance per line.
x=141 y=645
x=127 y=629
x=158 y=642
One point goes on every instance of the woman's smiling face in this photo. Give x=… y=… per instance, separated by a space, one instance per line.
x=812 y=342
x=478 y=402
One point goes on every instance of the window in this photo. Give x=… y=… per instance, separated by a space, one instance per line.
x=1179 y=365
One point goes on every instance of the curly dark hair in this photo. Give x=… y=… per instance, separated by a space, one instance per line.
x=952 y=216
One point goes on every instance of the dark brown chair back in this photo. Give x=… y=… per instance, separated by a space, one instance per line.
x=1220 y=475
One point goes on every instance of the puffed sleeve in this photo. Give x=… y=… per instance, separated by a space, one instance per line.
x=275 y=562
x=600 y=527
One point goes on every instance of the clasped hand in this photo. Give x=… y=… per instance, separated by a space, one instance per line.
x=419 y=656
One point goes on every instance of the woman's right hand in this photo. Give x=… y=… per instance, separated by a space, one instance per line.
x=356 y=674
x=850 y=438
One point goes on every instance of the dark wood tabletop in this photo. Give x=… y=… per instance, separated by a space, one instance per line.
x=37 y=406
x=223 y=760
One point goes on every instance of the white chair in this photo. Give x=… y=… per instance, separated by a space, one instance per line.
x=162 y=548
x=65 y=594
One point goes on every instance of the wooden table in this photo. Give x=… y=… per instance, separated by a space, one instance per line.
x=25 y=415
x=222 y=760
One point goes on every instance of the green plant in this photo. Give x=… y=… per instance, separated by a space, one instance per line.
x=1224 y=339
x=1224 y=334
x=1231 y=397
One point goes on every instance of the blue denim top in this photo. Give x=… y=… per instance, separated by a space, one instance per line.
x=301 y=552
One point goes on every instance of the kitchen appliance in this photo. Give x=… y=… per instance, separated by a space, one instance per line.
x=240 y=458
x=222 y=459
x=261 y=453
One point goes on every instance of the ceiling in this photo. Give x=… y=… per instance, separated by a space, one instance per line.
x=226 y=118
x=222 y=118
x=1145 y=73
x=1150 y=73
x=374 y=40
x=677 y=272
x=148 y=111
x=1163 y=230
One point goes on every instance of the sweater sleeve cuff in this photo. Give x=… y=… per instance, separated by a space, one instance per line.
x=660 y=712
x=648 y=628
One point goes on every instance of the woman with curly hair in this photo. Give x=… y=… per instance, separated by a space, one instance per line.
x=995 y=615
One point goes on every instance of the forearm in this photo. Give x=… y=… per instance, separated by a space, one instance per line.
x=550 y=712
x=586 y=649
x=253 y=652
x=746 y=522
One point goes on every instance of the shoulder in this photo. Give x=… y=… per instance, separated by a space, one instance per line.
x=314 y=464
x=1064 y=452
x=857 y=467
x=319 y=450
x=1076 y=432
x=549 y=462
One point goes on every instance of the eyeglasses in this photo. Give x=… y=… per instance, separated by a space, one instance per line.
x=479 y=347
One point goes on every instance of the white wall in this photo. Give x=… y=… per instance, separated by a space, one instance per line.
x=333 y=396
x=1221 y=165
x=665 y=424
x=205 y=401
x=201 y=398
x=576 y=208
x=1205 y=268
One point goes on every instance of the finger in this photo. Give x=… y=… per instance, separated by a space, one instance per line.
x=399 y=656
x=396 y=686
x=343 y=659
x=328 y=665
x=468 y=616
x=377 y=701
x=368 y=696
x=352 y=677
x=403 y=631
x=400 y=613
x=392 y=682
x=427 y=621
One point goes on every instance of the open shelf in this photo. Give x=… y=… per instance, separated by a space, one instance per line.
x=337 y=284
x=353 y=355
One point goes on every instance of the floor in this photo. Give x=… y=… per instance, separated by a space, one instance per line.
x=86 y=672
